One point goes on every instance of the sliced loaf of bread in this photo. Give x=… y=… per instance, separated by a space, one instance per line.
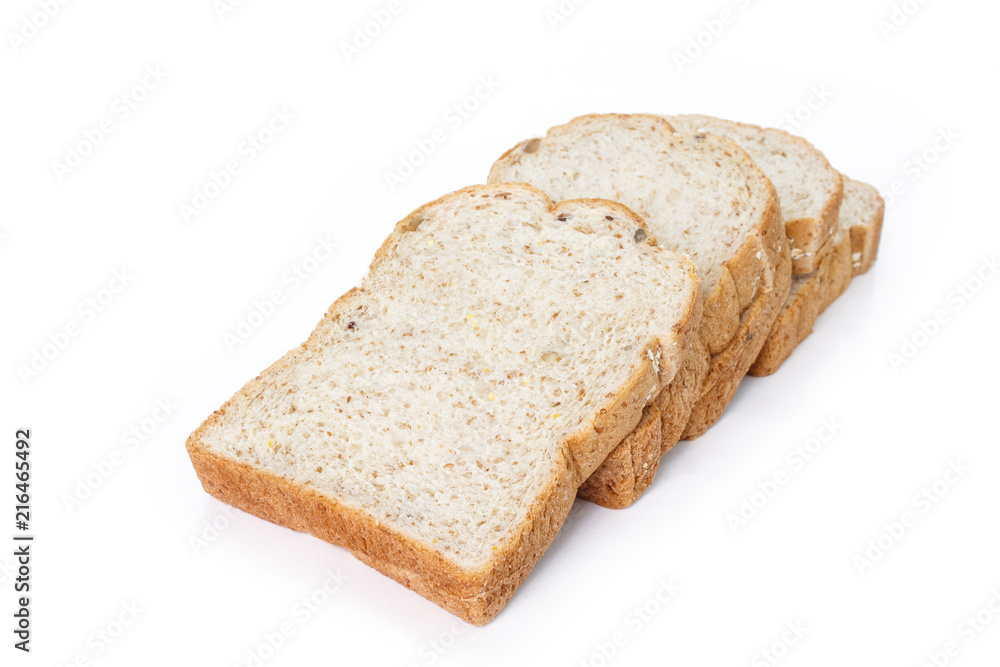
x=701 y=195
x=438 y=421
x=855 y=248
x=809 y=188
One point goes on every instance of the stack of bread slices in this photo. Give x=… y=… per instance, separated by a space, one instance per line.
x=548 y=335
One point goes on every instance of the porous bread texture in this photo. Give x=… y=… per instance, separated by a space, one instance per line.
x=703 y=196
x=810 y=189
x=856 y=245
x=863 y=211
x=441 y=416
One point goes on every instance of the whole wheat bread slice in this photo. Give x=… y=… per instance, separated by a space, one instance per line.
x=864 y=210
x=809 y=188
x=855 y=248
x=440 y=418
x=703 y=196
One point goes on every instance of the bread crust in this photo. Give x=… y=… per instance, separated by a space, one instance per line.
x=752 y=285
x=728 y=368
x=629 y=469
x=854 y=253
x=474 y=594
x=865 y=238
x=813 y=294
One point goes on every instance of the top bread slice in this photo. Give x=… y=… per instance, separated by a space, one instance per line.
x=855 y=248
x=701 y=195
x=439 y=419
x=810 y=189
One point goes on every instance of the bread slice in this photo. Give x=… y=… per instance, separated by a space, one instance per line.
x=855 y=248
x=440 y=418
x=703 y=196
x=863 y=210
x=810 y=189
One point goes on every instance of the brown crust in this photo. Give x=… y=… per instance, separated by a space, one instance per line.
x=473 y=595
x=629 y=468
x=865 y=239
x=812 y=295
x=729 y=367
x=476 y=595
x=737 y=314
x=817 y=233
x=853 y=254
x=752 y=286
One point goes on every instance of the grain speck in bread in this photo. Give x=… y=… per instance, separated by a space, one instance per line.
x=810 y=189
x=440 y=418
x=700 y=195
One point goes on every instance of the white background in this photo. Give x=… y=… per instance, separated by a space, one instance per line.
x=191 y=282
